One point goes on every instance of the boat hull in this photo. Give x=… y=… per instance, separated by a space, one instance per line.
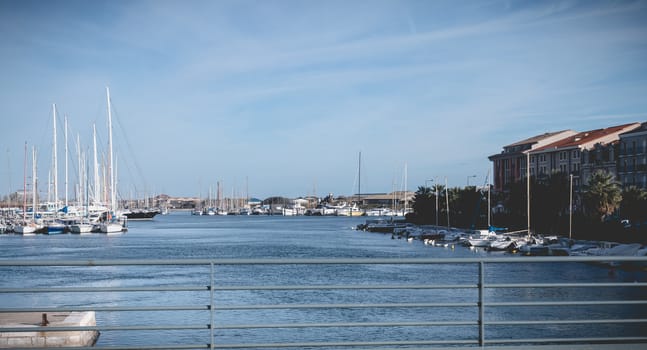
x=55 y=229
x=81 y=228
x=111 y=228
x=141 y=215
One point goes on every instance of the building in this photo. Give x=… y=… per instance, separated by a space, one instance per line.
x=632 y=157
x=580 y=154
x=509 y=165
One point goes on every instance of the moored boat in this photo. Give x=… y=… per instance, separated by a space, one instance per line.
x=111 y=227
x=141 y=214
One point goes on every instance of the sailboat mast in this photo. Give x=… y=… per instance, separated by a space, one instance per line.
x=528 y=188
x=66 y=155
x=359 y=179
x=110 y=164
x=489 y=209
x=55 y=165
x=447 y=200
x=34 y=183
x=79 y=196
x=97 y=185
x=404 y=212
x=24 y=186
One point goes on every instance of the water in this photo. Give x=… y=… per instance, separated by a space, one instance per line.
x=182 y=236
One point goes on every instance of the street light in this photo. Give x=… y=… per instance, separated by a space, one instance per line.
x=435 y=195
x=468 y=179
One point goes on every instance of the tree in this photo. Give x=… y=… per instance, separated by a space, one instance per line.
x=602 y=195
x=424 y=204
x=634 y=204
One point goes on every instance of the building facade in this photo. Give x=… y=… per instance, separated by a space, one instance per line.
x=509 y=165
x=580 y=154
x=632 y=157
x=619 y=150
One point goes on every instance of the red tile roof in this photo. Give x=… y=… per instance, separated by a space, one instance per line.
x=586 y=137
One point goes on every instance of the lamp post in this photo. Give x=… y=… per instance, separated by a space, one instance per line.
x=570 y=207
x=435 y=195
x=468 y=179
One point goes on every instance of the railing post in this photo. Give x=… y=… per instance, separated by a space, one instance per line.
x=481 y=303
x=211 y=307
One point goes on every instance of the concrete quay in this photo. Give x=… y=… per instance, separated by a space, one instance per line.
x=28 y=339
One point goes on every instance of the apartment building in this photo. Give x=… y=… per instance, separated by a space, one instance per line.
x=580 y=154
x=620 y=150
x=509 y=165
x=632 y=157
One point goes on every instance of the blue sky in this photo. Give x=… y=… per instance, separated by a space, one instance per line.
x=279 y=97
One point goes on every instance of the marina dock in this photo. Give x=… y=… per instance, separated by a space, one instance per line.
x=38 y=338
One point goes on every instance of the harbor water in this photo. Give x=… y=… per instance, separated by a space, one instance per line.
x=183 y=236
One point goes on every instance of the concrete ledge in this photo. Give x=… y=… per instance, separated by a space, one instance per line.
x=47 y=339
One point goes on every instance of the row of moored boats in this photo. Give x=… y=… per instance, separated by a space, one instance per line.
x=531 y=245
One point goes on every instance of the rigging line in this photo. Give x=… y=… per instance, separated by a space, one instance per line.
x=130 y=150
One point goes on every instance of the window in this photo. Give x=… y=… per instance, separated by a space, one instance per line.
x=562 y=155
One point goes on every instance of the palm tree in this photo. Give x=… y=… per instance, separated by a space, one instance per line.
x=603 y=194
x=423 y=204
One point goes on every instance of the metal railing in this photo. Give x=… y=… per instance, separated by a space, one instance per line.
x=470 y=297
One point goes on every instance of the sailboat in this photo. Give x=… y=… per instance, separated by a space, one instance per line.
x=27 y=228
x=354 y=209
x=111 y=225
x=83 y=226
x=55 y=227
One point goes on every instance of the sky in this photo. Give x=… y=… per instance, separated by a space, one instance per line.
x=280 y=97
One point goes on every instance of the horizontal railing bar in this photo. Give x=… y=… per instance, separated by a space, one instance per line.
x=342 y=344
x=568 y=340
x=104 y=289
x=344 y=287
x=344 y=261
x=315 y=287
x=554 y=322
x=565 y=285
x=566 y=303
x=348 y=324
x=102 y=328
x=138 y=347
x=343 y=306
x=107 y=308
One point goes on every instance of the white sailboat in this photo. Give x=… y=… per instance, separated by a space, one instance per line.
x=27 y=228
x=111 y=225
x=83 y=226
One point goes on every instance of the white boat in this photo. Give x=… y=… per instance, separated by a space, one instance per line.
x=484 y=239
x=28 y=229
x=111 y=227
x=380 y=212
x=503 y=243
x=83 y=227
